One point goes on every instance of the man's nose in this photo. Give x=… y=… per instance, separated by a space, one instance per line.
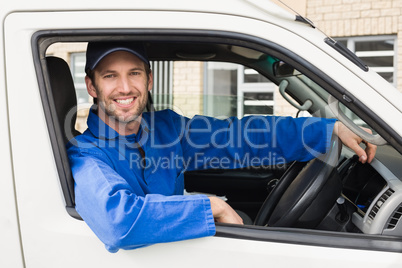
x=124 y=84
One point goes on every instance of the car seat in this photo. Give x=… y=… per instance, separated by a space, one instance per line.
x=65 y=103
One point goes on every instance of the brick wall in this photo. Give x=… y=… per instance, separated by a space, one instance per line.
x=282 y=107
x=64 y=51
x=340 y=18
x=188 y=88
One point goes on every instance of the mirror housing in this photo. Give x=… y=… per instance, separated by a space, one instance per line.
x=282 y=69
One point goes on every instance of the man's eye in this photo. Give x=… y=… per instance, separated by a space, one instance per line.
x=135 y=73
x=108 y=76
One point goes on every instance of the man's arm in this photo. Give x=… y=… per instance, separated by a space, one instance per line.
x=253 y=141
x=122 y=218
x=222 y=212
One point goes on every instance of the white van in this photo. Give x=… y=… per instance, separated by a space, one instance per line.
x=357 y=224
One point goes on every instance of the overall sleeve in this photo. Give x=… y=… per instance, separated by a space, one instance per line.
x=254 y=141
x=123 y=219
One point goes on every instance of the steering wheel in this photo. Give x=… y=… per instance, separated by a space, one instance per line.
x=305 y=193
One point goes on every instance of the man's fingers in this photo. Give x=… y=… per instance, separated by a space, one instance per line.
x=224 y=213
x=370 y=151
x=361 y=153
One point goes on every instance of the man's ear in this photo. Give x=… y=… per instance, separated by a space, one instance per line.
x=150 y=81
x=90 y=87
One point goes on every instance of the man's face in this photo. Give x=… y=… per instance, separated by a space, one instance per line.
x=121 y=85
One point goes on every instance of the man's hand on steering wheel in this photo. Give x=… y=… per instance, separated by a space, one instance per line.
x=352 y=141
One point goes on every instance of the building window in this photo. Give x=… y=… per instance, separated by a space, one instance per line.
x=378 y=52
x=78 y=72
x=235 y=90
x=162 y=90
x=255 y=93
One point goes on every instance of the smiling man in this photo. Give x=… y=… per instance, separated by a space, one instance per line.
x=120 y=83
x=127 y=195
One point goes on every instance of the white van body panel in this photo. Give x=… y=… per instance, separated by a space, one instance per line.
x=35 y=229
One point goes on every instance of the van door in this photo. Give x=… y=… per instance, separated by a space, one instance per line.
x=52 y=238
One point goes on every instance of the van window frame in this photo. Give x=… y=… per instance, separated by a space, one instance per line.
x=43 y=39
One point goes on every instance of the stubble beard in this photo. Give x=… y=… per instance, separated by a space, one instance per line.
x=109 y=110
x=111 y=114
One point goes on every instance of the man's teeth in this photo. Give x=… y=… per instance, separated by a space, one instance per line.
x=126 y=101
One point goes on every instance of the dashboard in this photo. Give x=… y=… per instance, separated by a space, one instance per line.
x=375 y=190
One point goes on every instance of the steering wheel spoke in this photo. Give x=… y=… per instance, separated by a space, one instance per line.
x=305 y=193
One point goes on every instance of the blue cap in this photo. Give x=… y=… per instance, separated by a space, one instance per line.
x=96 y=51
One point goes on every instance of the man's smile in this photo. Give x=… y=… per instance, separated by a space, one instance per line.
x=125 y=102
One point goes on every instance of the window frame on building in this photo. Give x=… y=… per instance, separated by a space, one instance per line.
x=350 y=43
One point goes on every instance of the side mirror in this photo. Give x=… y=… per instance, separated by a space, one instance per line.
x=282 y=69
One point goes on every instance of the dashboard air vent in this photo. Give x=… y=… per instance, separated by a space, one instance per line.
x=396 y=216
x=380 y=202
